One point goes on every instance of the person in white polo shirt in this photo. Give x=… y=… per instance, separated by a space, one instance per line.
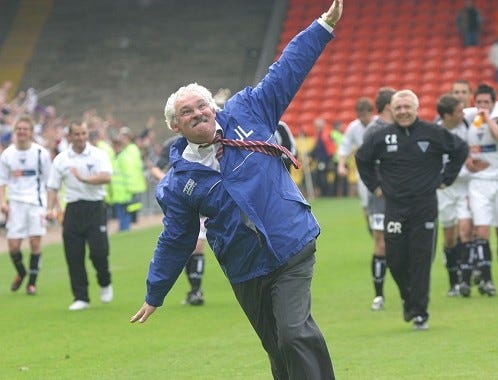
x=84 y=170
x=24 y=168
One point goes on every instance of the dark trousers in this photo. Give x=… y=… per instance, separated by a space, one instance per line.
x=278 y=306
x=86 y=222
x=410 y=236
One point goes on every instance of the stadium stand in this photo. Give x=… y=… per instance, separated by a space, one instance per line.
x=20 y=41
x=125 y=57
x=401 y=44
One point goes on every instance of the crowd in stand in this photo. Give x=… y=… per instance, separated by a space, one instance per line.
x=132 y=153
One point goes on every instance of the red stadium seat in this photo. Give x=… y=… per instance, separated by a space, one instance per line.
x=418 y=48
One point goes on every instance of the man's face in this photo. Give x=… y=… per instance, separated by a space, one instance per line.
x=455 y=118
x=79 y=137
x=484 y=101
x=462 y=92
x=365 y=116
x=23 y=132
x=194 y=119
x=404 y=111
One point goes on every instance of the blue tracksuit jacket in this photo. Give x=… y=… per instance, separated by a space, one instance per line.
x=257 y=217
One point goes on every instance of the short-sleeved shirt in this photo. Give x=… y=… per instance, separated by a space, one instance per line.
x=89 y=162
x=25 y=173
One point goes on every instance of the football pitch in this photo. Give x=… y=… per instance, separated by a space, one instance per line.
x=41 y=339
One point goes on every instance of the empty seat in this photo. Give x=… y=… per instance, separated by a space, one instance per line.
x=419 y=48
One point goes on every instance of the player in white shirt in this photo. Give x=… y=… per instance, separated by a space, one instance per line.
x=24 y=169
x=352 y=139
x=453 y=202
x=483 y=185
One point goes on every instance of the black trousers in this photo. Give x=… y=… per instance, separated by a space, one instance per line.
x=278 y=307
x=86 y=222
x=410 y=230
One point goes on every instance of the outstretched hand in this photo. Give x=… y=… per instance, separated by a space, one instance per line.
x=334 y=13
x=145 y=311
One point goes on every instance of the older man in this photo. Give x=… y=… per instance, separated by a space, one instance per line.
x=259 y=225
x=409 y=154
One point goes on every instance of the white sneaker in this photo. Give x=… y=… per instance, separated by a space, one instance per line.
x=106 y=294
x=420 y=323
x=378 y=303
x=79 y=305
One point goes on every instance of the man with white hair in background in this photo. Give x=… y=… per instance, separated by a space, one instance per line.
x=409 y=157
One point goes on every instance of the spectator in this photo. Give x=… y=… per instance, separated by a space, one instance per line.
x=265 y=244
x=322 y=154
x=119 y=189
x=134 y=171
x=340 y=186
x=493 y=58
x=469 y=24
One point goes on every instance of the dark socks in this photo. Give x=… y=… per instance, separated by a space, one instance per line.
x=378 y=274
x=16 y=258
x=194 y=270
x=467 y=261
x=34 y=268
x=451 y=255
x=483 y=254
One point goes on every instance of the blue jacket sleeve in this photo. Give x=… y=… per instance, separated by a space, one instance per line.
x=266 y=103
x=174 y=247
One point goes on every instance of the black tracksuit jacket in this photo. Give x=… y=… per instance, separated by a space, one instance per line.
x=410 y=160
x=410 y=163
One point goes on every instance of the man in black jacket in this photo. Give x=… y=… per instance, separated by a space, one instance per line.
x=409 y=154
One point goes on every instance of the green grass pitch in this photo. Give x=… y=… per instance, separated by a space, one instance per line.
x=41 y=339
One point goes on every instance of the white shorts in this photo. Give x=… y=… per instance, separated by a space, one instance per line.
x=25 y=219
x=362 y=193
x=483 y=196
x=453 y=204
x=376 y=222
x=202 y=232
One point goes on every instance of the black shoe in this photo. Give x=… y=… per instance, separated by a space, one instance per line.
x=407 y=314
x=464 y=289
x=194 y=298
x=487 y=287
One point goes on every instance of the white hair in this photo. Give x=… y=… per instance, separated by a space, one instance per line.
x=406 y=93
x=169 y=108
